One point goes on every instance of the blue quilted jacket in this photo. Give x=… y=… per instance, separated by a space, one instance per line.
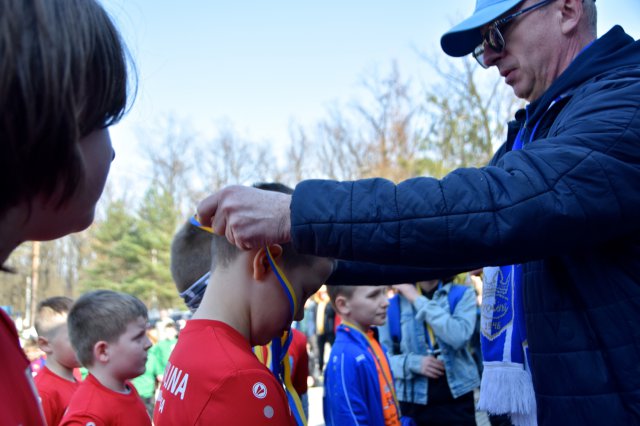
x=567 y=206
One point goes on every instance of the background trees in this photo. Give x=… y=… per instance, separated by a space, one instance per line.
x=397 y=128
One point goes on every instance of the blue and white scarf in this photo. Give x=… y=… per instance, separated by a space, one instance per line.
x=506 y=386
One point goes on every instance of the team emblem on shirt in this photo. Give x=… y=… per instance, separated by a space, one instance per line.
x=259 y=390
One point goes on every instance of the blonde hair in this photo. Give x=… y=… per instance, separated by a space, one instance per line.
x=51 y=313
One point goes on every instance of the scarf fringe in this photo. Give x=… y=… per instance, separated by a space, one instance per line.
x=507 y=388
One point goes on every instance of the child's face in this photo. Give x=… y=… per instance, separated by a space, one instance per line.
x=61 y=349
x=52 y=220
x=367 y=306
x=276 y=315
x=128 y=355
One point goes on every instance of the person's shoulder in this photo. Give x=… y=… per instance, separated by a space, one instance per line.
x=209 y=359
x=253 y=373
x=257 y=391
x=81 y=419
x=348 y=344
x=82 y=406
x=214 y=385
x=43 y=378
x=85 y=395
x=48 y=382
x=206 y=330
x=216 y=342
x=94 y=403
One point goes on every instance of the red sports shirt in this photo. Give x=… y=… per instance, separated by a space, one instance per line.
x=98 y=405
x=18 y=401
x=299 y=360
x=55 y=393
x=213 y=378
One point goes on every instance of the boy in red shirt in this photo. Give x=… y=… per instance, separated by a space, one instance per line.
x=108 y=332
x=213 y=377
x=55 y=382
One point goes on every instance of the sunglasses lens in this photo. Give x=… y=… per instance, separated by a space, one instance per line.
x=495 y=40
x=478 y=53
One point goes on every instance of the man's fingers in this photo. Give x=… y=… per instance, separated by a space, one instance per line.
x=248 y=217
x=207 y=209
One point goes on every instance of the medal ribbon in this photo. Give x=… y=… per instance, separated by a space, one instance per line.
x=372 y=351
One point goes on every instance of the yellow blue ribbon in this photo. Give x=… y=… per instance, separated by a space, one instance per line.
x=277 y=360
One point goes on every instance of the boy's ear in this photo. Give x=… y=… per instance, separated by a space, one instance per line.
x=43 y=344
x=342 y=305
x=261 y=265
x=101 y=351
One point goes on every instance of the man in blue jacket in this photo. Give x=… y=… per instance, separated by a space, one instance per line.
x=560 y=198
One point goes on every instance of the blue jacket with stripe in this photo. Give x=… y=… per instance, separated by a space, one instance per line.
x=351 y=385
x=566 y=206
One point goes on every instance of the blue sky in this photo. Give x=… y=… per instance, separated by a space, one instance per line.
x=258 y=66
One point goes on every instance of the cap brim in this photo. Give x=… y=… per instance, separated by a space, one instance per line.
x=464 y=37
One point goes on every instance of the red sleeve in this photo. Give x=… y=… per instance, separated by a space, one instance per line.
x=81 y=420
x=18 y=400
x=249 y=398
x=300 y=371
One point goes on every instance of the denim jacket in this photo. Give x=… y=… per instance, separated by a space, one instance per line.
x=452 y=332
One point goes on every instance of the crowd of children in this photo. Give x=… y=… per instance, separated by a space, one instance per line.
x=237 y=361
x=223 y=360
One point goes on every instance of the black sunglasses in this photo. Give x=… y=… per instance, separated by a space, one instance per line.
x=493 y=38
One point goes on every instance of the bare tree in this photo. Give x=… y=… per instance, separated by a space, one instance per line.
x=171 y=150
x=391 y=131
x=375 y=136
x=467 y=115
x=230 y=159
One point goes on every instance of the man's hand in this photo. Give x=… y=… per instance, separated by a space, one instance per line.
x=409 y=291
x=248 y=217
x=431 y=367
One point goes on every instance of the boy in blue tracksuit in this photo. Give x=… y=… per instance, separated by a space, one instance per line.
x=358 y=384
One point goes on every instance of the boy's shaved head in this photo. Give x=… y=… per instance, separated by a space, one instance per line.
x=51 y=313
x=190 y=255
x=194 y=251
